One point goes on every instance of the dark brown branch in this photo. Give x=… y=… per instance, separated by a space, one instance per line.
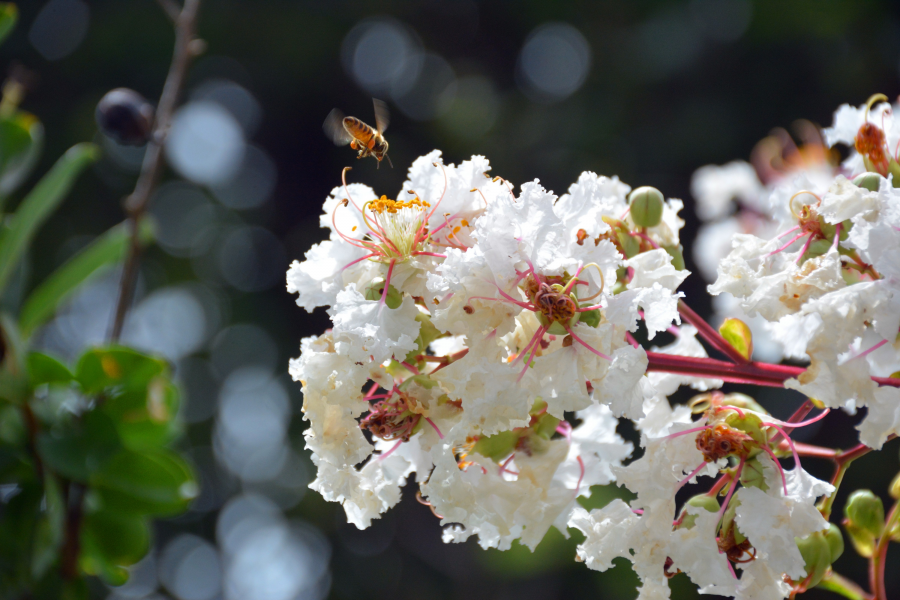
x=136 y=203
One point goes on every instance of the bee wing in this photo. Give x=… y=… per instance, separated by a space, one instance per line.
x=382 y=115
x=334 y=128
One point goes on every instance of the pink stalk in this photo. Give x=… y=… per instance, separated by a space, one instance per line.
x=368 y=246
x=589 y=308
x=789 y=441
x=674 y=330
x=430 y=422
x=410 y=368
x=379 y=396
x=691 y=476
x=780 y=469
x=384 y=455
x=631 y=339
x=837 y=236
x=734 y=484
x=805 y=248
x=798 y=236
x=731 y=568
x=347 y=190
x=637 y=511
x=735 y=409
x=534 y=348
x=442 y=225
x=625 y=214
x=708 y=333
x=429 y=254
x=444 y=193
x=574 y=279
x=350 y=264
x=565 y=429
x=387 y=283
x=586 y=345
x=371 y=391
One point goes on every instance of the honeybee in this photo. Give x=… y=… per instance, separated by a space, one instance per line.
x=361 y=137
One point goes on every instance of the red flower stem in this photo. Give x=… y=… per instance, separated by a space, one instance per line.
x=709 y=334
x=876 y=563
x=755 y=373
x=810 y=450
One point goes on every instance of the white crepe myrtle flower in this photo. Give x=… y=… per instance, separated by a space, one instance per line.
x=871 y=131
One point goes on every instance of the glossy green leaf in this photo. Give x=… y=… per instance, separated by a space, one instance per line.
x=9 y=15
x=39 y=204
x=154 y=482
x=108 y=249
x=119 y=539
x=43 y=368
x=82 y=449
x=116 y=366
x=21 y=142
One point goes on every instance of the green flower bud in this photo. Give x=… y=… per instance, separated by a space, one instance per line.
x=835 y=541
x=591 y=318
x=816 y=553
x=646 y=206
x=546 y=426
x=865 y=510
x=869 y=181
x=752 y=475
x=894 y=490
x=376 y=288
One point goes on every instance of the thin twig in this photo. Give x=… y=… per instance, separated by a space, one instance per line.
x=136 y=203
x=171 y=9
x=136 y=206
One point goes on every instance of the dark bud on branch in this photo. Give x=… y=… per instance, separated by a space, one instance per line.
x=125 y=116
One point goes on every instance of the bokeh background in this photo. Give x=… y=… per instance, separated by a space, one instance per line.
x=647 y=90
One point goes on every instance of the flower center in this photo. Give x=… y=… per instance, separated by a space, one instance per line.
x=720 y=441
x=551 y=301
x=400 y=224
x=391 y=419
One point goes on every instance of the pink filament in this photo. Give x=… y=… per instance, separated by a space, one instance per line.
x=734 y=484
x=789 y=441
x=387 y=283
x=429 y=254
x=644 y=236
x=410 y=368
x=503 y=468
x=430 y=422
x=780 y=469
x=350 y=264
x=693 y=430
x=384 y=455
x=805 y=248
x=583 y=343
x=691 y=476
x=581 y=476
x=837 y=236
x=791 y=230
x=872 y=349
x=818 y=417
x=565 y=429
x=735 y=409
x=799 y=235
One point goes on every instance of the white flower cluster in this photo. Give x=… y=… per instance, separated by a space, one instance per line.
x=472 y=328
x=482 y=339
x=825 y=276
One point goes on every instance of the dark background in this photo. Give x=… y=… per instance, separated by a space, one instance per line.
x=670 y=86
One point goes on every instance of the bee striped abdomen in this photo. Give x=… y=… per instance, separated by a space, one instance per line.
x=359 y=130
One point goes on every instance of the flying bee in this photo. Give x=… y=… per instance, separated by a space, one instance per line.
x=368 y=141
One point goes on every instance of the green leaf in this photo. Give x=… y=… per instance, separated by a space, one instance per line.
x=145 y=417
x=84 y=448
x=106 y=250
x=116 y=366
x=46 y=369
x=119 y=539
x=738 y=335
x=155 y=482
x=21 y=141
x=9 y=14
x=39 y=204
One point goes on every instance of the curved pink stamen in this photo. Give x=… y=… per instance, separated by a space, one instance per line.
x=586 y=345
x=794 y=239
x=644 y=237
x=581 y=476
x=565 y=429
x=870 y=350
x=536 y=338
x=429 y=254
x=371 y=391
x=387 y=283
x=789 y=441
x=350 y=264
x=573 y=279
x=506 y=462
x=691 y=476
x=384 y=455
x=805 y=248
x=735 y=409
x=687 y=431
x=780 y=469
x=589 y=308
x=818 y=417
x=734 y=484
x=430 y=422
x=789 y=231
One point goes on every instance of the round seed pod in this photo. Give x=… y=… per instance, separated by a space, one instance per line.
x=646 y=206
x=125 y=116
